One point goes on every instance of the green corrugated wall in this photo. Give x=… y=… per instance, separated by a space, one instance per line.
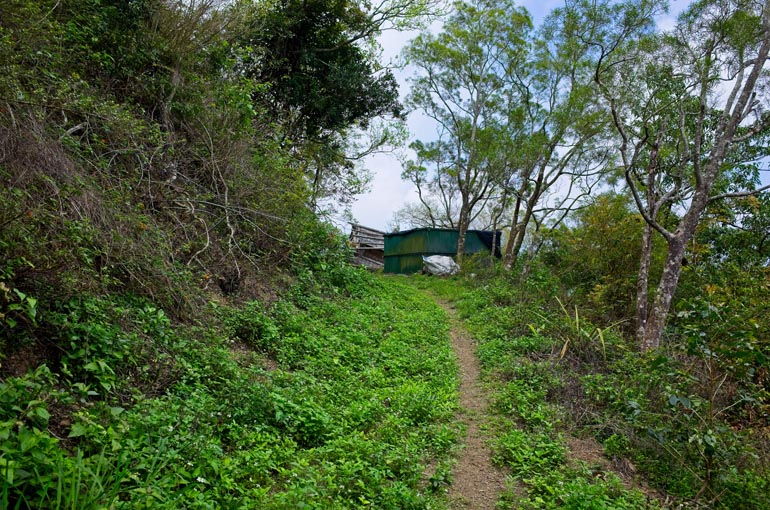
x=404 y=250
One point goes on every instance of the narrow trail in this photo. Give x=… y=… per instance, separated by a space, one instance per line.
x=477 y=482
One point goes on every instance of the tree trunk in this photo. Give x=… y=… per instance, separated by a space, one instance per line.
x=513 y=234
x=462 y=231
x=495 y=222
x=521 y=232
x=316 y=191
x=642 y=283
x=656 y=320
x=495 y=235
x=531 y=202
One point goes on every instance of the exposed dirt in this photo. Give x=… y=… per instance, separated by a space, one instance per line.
x=591 y=452
x=28 y=358
x=477 y=482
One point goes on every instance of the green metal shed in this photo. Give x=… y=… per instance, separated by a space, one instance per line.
x=404 y=250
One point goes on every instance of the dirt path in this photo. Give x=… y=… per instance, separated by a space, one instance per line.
x=476 y=481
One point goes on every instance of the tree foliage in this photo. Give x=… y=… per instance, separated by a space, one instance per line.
x=596 y=256
x=462 y=86
x=531 y=120
x=320 y=80
x=216 y=127
x=680 y=133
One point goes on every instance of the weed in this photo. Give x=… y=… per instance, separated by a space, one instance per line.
x=582 y=490
x=363 y=397
x=526 y=454
x=652 y=410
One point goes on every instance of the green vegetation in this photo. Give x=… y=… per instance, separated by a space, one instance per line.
x=680 y=426
x=179 y=328
x=532 y=121
x=298 y=404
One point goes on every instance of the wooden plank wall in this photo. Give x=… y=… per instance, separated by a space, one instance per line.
x=369 y=244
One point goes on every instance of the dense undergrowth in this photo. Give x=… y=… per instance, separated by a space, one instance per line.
x=303 y=403
x=677 y=428
x=178 y=329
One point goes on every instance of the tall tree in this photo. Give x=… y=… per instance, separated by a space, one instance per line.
x=560 y=135
x=462 y=87
x=317 y=62
x=544 y=128
x=699 y=101
x=439 y=196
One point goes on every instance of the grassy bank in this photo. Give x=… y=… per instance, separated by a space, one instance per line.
x=303 y=403
x=583 y=421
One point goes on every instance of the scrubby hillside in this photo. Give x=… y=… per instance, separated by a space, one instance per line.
x=161 y=166
x=583 y=420
x=305 y=403
x=180 y=329
x=164 y=149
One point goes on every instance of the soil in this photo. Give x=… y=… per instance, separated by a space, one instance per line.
x=477 y=482
x=588 y=450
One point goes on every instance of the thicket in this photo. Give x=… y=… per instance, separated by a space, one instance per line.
x=165 y=335
x=160 y=163
x=159 y=149
x=684 y=426
x=302 y=403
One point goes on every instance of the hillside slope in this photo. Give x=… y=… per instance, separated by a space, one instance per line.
x=305 y=403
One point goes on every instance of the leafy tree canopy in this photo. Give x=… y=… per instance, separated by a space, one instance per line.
x=319 y=75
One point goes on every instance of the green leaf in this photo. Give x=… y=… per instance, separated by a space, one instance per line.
x=32 y=307
x=27 y=439
x=5 y=430
x=7 y=469
x=43 y=413
x=77 y=430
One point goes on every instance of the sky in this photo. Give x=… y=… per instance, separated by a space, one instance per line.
x=388 y=192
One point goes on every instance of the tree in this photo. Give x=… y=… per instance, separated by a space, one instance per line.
x=461 y=86
x=697 y=107
x=539 y=126
x=438 y=194
x=738 y=230
x=318 y=60
x=596 y=256
x=560 y=136
x=320 y=80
